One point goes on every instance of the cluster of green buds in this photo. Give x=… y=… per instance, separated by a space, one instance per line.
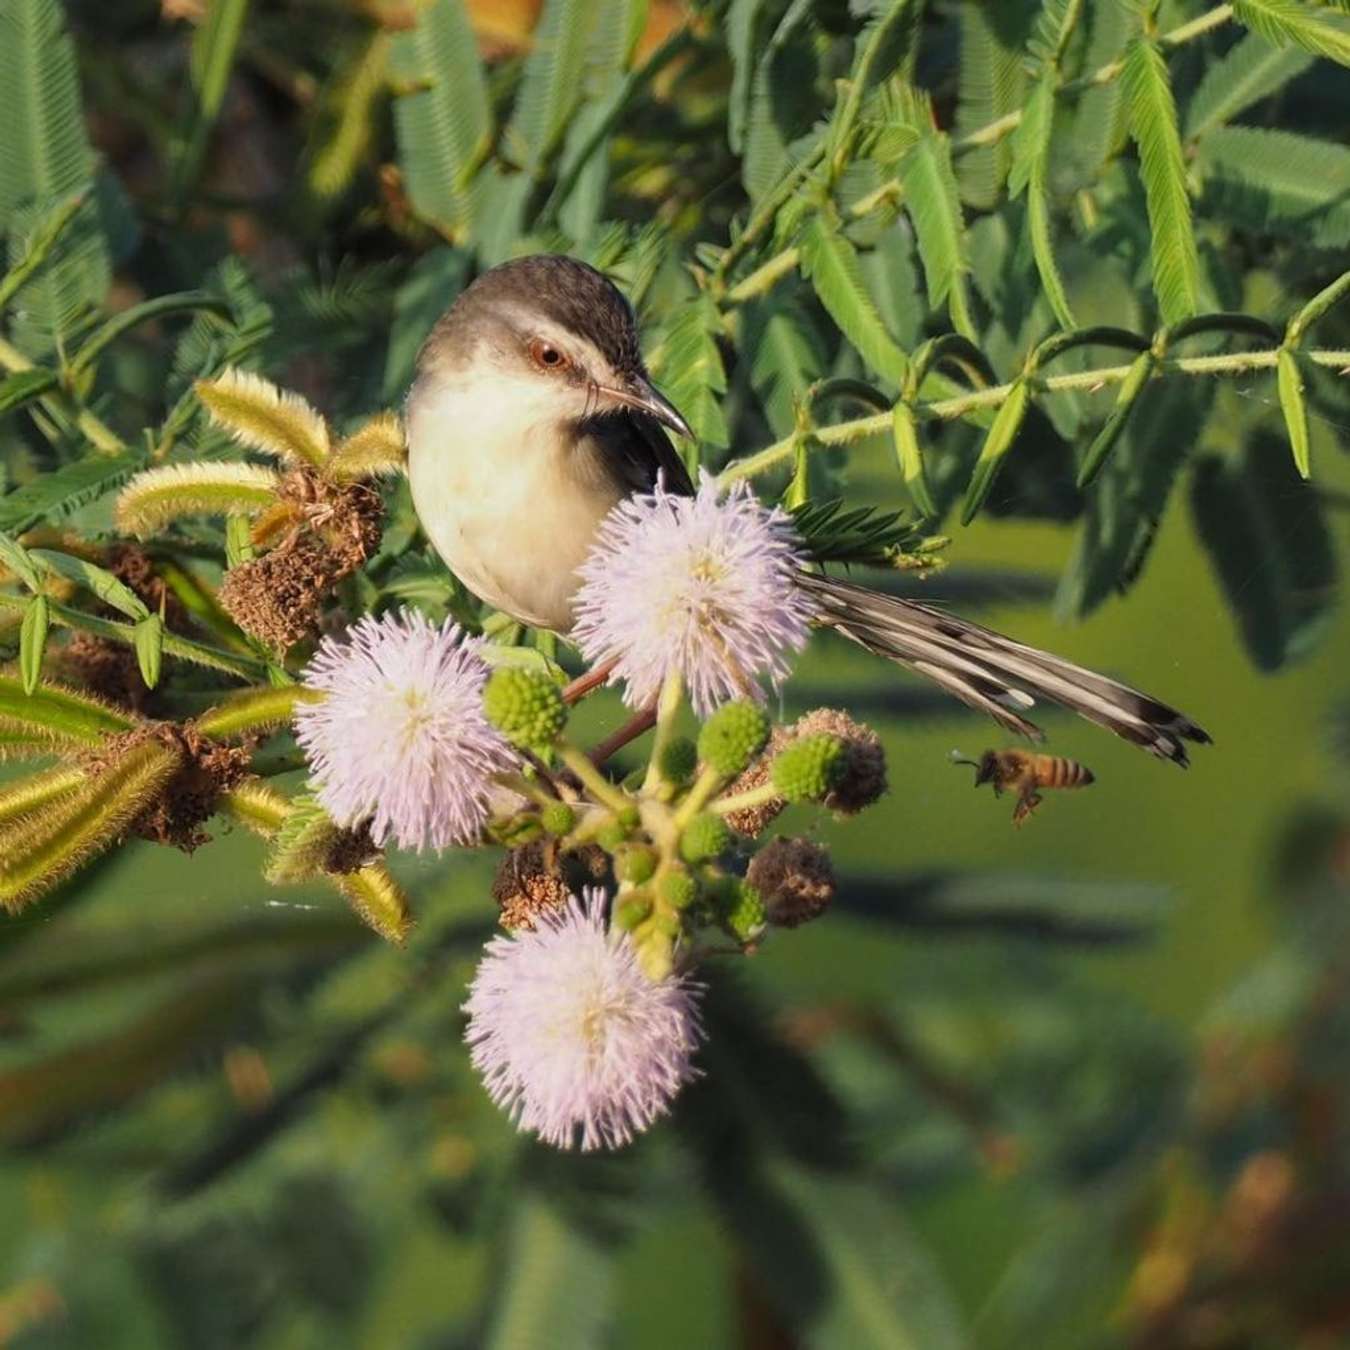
x=677 y=836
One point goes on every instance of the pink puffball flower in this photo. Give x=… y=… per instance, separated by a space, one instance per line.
x=703 y=585
x=400 y=738
x=573 y=1041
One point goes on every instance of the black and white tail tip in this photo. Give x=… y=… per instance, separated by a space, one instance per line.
x=995 y=674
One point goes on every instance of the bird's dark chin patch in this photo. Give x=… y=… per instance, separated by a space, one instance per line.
x=606 y=422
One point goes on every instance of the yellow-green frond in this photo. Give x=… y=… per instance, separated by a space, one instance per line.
x=375 y=448
x=379 y=901
x=261 y=416
x=255 y=806
x=42 y=850
x=59 y=717
x=251 y=710
x=157 y=496
x=37 y=792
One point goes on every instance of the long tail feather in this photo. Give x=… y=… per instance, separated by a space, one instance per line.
x=995 y=674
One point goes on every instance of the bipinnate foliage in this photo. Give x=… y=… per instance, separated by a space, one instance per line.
x=1065 y=258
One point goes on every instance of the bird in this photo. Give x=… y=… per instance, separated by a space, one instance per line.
x=531 y=415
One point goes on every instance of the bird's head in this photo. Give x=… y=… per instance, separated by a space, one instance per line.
x=549 y=334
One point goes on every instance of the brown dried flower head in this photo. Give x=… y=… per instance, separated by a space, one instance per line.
x=795 y=880
x=537 y=877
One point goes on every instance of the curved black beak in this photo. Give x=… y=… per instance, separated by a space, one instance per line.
x=639 y=393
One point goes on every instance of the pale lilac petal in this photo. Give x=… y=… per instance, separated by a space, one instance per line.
x=572 y=1039
x=401 y=739
x=705 y=585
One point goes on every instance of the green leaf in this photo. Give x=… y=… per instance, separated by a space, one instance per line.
x=747 y=25
x=40 y=245
x=1031 y=153
x=45 y=158
x=935 y=208
x=1105 y=440
x=182 y=302
x=1331 y=294
x=875 y=1286
x=56 y=494
x=552 y=82
x=93 y=578
x=831 y=264
x=782 y=104
x=1248 y=72
x=1289 y=381
x=442 y=118
x=991 y=81
x=997 y=442
x=149 y=647
x=688 y=368
x=786 y=360
x=557 y=1282
x=23 y=387
x=1153 y=124
x=33 y=641
x=19 y=561
x=1285 y=21
x=905 y=434
x=1278 y=182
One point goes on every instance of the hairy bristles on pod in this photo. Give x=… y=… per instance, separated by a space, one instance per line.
x=262 y=417
x=377 y=447
x=153 y=498
x=63 y=720
x=378 y=901
x=40 y=851
x=36 y=792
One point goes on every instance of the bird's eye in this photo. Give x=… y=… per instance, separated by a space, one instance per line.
x=546 y=356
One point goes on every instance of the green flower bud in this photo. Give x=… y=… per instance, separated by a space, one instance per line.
x=706 y=837
x=525 y=706
x=611 y=836
x=558 y=818
x=744 y=917
x=629 y=818
x=632 y=910
x=635 y=863
x=808 y=768
x=678 y=760
x=732 y=737
x=678 y=889
x=656 y=955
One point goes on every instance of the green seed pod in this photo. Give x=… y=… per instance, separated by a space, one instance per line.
x=525 y=706
x=706 y=836
x=558 y=818
x=635 y=863
x=744 y=918
x=808 y=768
x=678 y=889
x=678 y=760
x=732 y=737
x=632 y=910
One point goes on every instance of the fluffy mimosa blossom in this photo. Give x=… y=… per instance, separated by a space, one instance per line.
x=572 y=1039
x=704 y=585
x=400 y=738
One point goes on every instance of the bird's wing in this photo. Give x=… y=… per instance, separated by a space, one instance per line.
x=646 y=452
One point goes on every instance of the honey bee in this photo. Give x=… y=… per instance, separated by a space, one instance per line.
x=1025 y=771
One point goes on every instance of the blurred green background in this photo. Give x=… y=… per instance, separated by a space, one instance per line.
x=1076 y=1084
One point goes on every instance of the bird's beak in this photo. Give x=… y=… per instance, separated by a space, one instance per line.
x=638 y=393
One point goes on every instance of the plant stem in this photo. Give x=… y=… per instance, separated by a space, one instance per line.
x=1090 y=381
x=667 y=708
x=747 y=800
x=98 y=433
x=591 y=778
x=704 y=786
x=196 y=652
x=763 y=278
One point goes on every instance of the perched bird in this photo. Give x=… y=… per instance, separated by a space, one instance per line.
x=532 y=415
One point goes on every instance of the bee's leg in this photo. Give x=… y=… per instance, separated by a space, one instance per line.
x=1027 y=801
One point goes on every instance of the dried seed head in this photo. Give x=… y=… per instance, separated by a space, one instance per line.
x=794 y=878
x=277 y=597
x=107 y=669
x=528 y=882
x=189 y=798
x=347 y=517
x=132 y=566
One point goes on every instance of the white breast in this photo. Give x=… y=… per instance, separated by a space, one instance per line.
x=497 y=497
